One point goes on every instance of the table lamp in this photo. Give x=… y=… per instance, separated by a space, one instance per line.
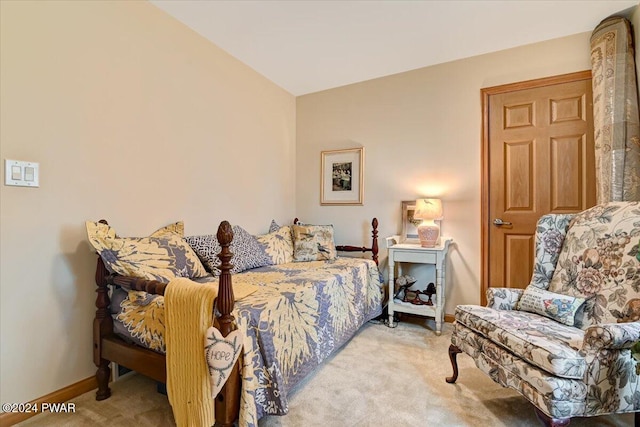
x=428 y=231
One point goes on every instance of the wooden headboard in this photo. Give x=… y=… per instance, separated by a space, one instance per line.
x=374 y=242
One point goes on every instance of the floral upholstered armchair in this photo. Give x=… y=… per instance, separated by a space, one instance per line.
x=565 y=341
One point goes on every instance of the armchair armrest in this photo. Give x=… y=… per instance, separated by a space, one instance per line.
x=503 y=298
x=611 y=336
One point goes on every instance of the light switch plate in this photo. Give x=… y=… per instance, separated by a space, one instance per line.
x=21 y=174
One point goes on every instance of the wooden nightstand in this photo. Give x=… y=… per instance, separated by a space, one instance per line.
x=414 y=253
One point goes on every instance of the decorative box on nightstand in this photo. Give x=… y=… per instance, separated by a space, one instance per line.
x=414 y=253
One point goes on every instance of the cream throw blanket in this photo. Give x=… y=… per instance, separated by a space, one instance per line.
x=188 y=315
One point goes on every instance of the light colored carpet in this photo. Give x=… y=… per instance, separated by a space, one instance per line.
x=382 y=377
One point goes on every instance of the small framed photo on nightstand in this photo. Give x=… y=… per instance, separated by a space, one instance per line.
x=409 y=223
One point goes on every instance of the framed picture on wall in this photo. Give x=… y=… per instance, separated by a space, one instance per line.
x=409 y=223
x=341 y=180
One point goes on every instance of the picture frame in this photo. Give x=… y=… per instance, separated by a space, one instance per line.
x=409 y=224
x=342 y=177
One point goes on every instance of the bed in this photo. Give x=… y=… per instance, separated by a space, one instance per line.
x=301 y=313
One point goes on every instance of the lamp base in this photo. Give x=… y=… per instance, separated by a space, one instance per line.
x=428 y=235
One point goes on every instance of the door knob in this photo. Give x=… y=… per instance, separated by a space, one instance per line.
x=499 y=222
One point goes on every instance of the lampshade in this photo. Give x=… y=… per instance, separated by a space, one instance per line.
x=427 y=210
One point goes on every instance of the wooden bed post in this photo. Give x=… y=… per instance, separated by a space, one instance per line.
x=227 y=403
x=102 y=326
x=374 y=236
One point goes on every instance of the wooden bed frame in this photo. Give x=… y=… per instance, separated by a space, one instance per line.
x=108 y=347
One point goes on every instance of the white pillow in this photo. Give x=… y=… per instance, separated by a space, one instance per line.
x=561 y=308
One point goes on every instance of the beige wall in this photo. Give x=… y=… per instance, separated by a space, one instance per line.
x=422 y=135
x=134 y=118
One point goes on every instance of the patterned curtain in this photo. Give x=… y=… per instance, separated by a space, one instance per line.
x=615 y=112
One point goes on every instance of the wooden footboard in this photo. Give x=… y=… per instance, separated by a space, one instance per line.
x=108 y=347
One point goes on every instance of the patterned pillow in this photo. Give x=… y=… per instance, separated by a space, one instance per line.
x=273 y=227
x=550 y=233
x=561 y=308
x=277 y=245
x=247 y=252
x=599 y=261
x=313 y=243
x=162 y=256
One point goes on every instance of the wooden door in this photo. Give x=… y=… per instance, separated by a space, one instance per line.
x=538 y=158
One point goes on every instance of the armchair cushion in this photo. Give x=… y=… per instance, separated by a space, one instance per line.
x=538 y=340
x=560 y=397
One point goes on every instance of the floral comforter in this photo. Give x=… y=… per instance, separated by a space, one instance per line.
x=301 y=314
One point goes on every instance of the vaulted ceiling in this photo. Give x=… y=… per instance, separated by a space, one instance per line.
x=309 y=46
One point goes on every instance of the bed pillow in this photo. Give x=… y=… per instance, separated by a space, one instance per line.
x=247 y=252
x=162 y=256
x=561 y=308
x=277 y=244
x=313 y=243
x=273 y=227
